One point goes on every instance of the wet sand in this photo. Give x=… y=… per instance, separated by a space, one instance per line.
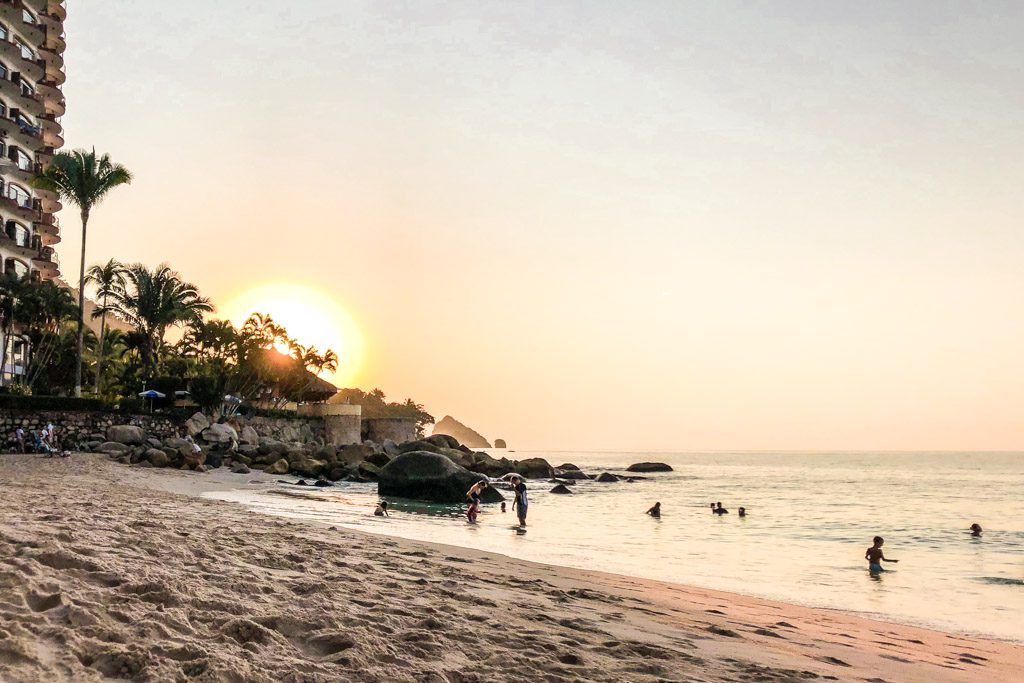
x=113 y=572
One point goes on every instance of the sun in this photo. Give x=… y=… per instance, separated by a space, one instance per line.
x=311 y=317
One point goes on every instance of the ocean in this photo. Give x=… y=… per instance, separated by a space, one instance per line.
x=810 y=518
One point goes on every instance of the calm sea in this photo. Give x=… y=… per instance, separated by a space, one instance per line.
x=810 y=518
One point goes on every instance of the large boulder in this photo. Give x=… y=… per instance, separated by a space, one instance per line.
x=249 y=436
x=500 y=443
x=214 y=459
x=223 y=434
x=196 y=424
x=561 y=488
x=353 y=454
x=486 y=464
x=157 y=458
x=309 y=467
x=269 y=446
x=278 y=467
x=430 y=476
x=113 y=447
x=368 y=470
x=535 y=468
x=378 y=459
x=649 y=467
x=126 y=434
x=421 y=445
x=443 y=441
x=391 y=448
x=571 y=474
x=607 y=478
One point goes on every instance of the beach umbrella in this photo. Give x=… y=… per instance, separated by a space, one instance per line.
x=231 y=404
x=151 y=394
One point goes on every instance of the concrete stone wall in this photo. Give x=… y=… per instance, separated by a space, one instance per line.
x=341 y=421
x=297 y=429
x=74 y=427
x=398 y=429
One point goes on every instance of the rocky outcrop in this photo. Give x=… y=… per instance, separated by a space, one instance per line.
x=649 y=467
x=451 y=427
x=561 y=489
x=126 y=434
x=424 y=475
x=607 y=477
x=575 y=475
x=534 y=468
x=223 y=434
x=196 y=424
x=500 y=443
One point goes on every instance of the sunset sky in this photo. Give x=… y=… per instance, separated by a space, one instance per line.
x=581 y=225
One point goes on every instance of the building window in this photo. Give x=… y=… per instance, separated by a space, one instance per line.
x=26 y=51
x=19 y=233
x=26 y=88
x=20 y=195
x=3 y=71
x=3 y=110
x=15 y=267
x=23 y=160
x=3 y=32
x=28 y=17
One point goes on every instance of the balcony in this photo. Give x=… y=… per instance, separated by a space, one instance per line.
x=46 y=257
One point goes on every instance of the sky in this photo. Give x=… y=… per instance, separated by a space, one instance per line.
x=592 y=225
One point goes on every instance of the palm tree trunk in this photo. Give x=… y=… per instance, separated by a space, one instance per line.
x=81 y=309
x=103 y=348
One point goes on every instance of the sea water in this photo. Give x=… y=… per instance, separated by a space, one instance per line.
x=810 y=518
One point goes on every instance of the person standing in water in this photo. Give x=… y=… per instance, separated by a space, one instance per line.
x=875 y=557
x=655 y=511
x=743 y=512
x=976 y=530
x=474 y=500
x=519 y=502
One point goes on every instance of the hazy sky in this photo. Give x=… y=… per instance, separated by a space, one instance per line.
x=663 y=225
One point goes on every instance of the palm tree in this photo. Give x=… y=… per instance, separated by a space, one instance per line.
x=83 y=179
x=152 y=301
x=108 y=278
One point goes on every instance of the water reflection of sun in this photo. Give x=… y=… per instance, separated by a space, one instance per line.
x=311 y=317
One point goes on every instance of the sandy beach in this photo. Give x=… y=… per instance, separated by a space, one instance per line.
x=110 y=572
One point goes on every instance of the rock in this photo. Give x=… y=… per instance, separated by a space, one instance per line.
x=194 y=460
x=500 y=443
x=326 y=453
x=379 y=459
x=309 y=467
x=223 y=434
x=155 y=443
x=484 y=463
x=606 y=477
x=430 y=476
x=214 y=459
x=240 y=468
x=368 y=470
x=534 y=468
x=353 y=454
x=338 y=472
x=126 y=434
x=649 y=467
x=113 y=447
x=196 y=424
x=391 y=448
x=567 y=466
x=574 y=475
x=138 y=454
x=561 y=488
x=270 y=446
x=421 y=445
x=248 y=436
x=242 y=459
x=279 y=467
x=443 y=441
x=247 y=450
x=157 y=458
x=322 y=483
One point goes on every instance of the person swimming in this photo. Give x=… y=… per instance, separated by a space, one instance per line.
x=875 y=557
x=655 y=511
x=976 y=530
x=382 y=509
x=742 y=512
x=719 y=510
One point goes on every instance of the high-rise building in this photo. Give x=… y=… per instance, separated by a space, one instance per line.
x=31 y=104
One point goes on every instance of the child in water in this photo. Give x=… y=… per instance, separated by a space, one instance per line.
x=382 y=509
x=655 y=511
x=875 y=557
x=474 y=500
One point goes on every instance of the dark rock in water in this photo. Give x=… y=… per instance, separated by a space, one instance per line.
x=368 y=470
x=301 y=482
x=500 y=443
x=561 y=488
x=567 y=466
x=379 y=459
x=571 y=474
x=606 y=477
x=649 y=467
x=430 y=476
x=322 y=483
x=534 y=468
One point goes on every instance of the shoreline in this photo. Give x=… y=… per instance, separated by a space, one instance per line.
x=296 y=601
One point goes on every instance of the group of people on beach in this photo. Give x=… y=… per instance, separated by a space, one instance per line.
x=46 y=441
x=520 y=500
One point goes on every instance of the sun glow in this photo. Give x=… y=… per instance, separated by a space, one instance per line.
x=311 y=317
